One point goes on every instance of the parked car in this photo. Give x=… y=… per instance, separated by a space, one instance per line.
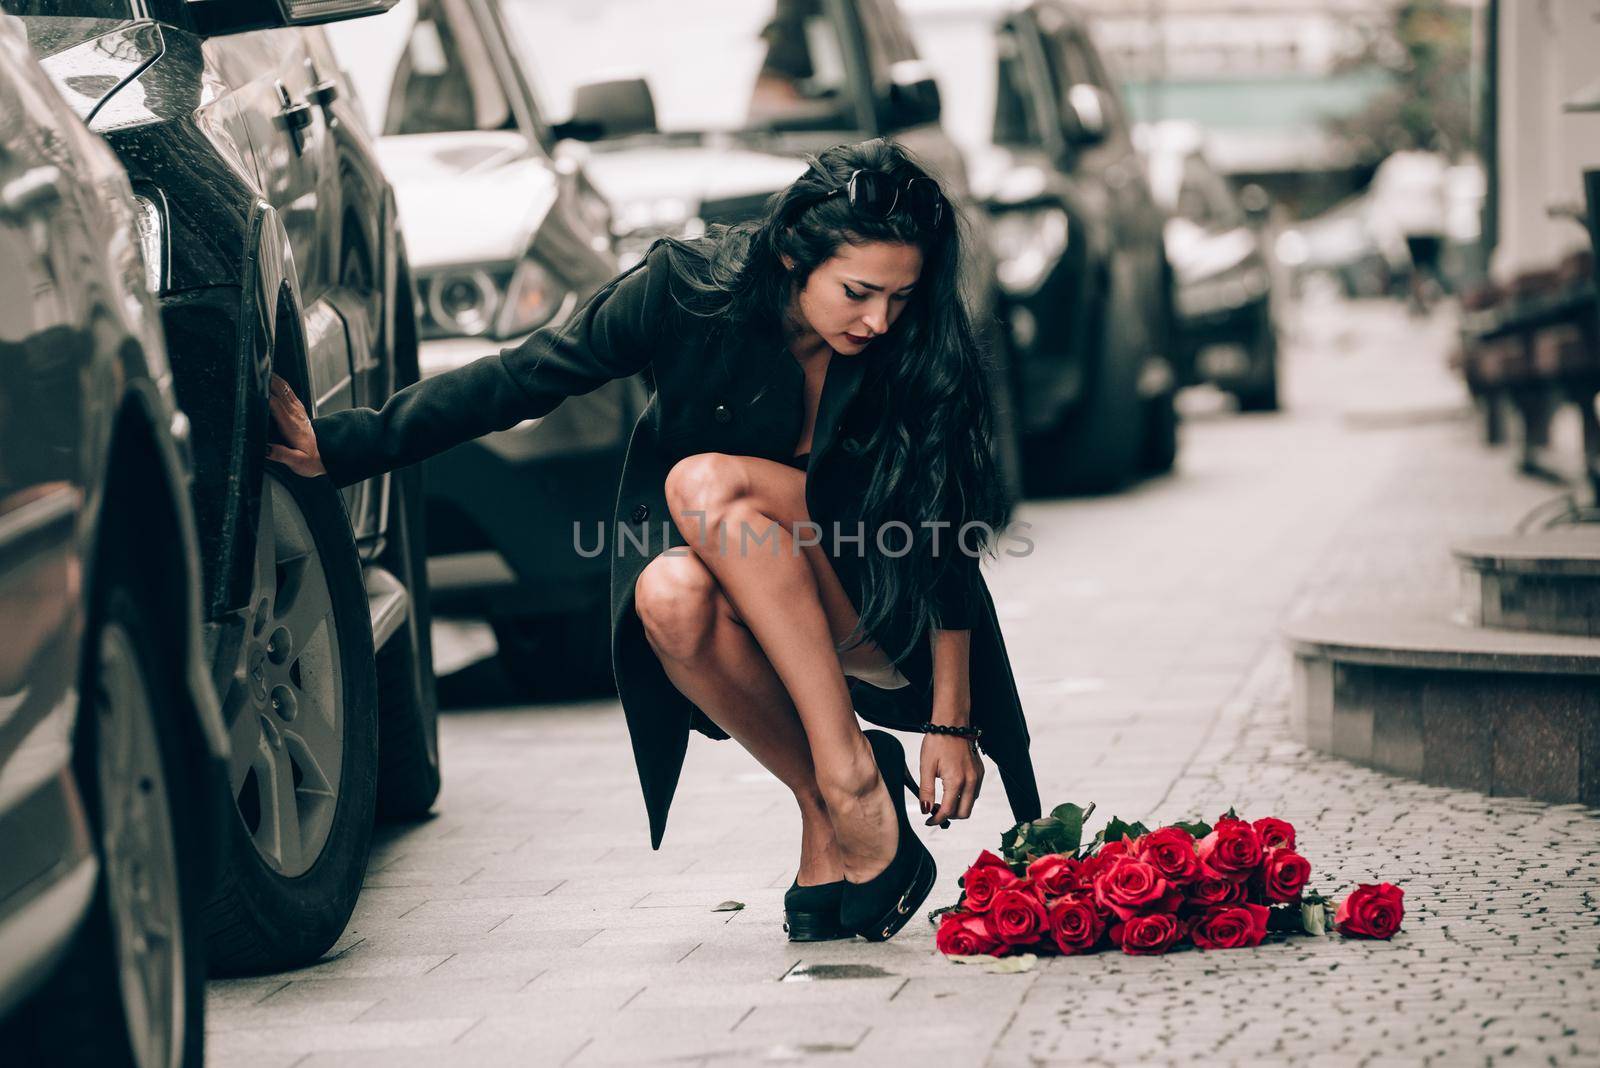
x=111 y=745
x=691 y=114
x=1086 y=289
x=502 y=241
x=1221 y=253
x=270 y=230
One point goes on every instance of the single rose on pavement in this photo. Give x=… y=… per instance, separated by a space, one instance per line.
x=1371 y=911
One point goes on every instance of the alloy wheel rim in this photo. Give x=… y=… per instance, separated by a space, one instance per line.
x=285 y=703
x=141 y=857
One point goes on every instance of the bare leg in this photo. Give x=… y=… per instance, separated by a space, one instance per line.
x=721 y=504
x=710 y=656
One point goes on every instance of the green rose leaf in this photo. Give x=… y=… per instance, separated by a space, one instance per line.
x=1199 y=828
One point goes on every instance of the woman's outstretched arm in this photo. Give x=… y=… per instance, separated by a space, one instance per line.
x=610 y=337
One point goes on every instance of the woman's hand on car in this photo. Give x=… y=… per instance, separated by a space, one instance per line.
x=299 y=453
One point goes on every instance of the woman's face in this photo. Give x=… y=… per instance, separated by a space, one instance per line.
x=859 y=293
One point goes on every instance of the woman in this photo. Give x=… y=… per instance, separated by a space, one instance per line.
x=816 y=394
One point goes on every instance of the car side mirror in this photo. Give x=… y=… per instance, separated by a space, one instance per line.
x=215 y=18
x=913 y=96
x=609 y=109
x=1087 y=115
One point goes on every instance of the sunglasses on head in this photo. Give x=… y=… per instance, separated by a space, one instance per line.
x=876 y=196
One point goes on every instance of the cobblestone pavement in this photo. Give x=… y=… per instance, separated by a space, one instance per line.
x=530 y=923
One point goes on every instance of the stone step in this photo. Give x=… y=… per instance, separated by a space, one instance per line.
x=1496 y=711
x=1547 y=581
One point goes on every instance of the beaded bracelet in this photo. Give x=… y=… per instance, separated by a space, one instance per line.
x=970 y=733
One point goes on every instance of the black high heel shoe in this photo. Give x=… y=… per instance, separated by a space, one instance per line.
x=879 y=907
x=811 y=913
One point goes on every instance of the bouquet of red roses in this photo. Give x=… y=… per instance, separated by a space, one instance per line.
x=1217 y=886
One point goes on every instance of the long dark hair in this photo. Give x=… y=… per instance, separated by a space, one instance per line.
x=926 y=375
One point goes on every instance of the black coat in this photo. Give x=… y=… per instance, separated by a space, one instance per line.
x=711 y=392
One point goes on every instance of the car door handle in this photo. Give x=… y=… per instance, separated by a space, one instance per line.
x=30 y=191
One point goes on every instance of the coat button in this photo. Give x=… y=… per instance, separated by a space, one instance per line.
x=721 y=413
x=850 y=445
x=641 y=512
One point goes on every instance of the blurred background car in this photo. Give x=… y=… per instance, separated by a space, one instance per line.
x=1085 y=287
x=268 y=228
x=501 y=240
x=1220 y=249
x=692 y=114
x=112 y=751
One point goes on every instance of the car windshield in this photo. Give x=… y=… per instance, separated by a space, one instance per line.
x=83 y=9
x=422 y=67
x=712 y=65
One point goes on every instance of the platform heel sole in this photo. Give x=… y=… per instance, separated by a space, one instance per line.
x=810 y=927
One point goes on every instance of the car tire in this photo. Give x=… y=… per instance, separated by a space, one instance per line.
x=1096 y=447
x=1160 y=450
x=408 y=700
x=290 y=872
x=129 y=763
x=557 y=657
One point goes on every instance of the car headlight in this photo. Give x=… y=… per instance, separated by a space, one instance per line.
x=150 y=229
x=504 y=301
x=1028 y=245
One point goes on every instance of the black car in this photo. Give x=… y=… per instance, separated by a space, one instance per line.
x=112 y=749
x=1083 y=272
x=721 y=100
x=502 y=241
x=270 y=230
x=1222 y=263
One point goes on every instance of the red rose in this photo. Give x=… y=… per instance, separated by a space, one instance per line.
x=1171 y=852
x=1284 y=875
x=1275 y=833
x=1054 y=875
x=1210 y=890
x=1112 y=849
x=1147 y=936
x=1230 y=927
x=1228 y=821
x=984 y=879
x=1015 y=916
x=964 y=934
x=1130 y=886
x=1075 y=924
x=1232 y=851
x=1371 y=911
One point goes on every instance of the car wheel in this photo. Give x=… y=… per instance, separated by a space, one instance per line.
x=303 y=740
x=1095 y=449
x=1160 y=450
x=558 y=657
x=132 y=987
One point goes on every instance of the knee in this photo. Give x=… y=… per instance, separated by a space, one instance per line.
x=677 y=601
x=706 y=482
